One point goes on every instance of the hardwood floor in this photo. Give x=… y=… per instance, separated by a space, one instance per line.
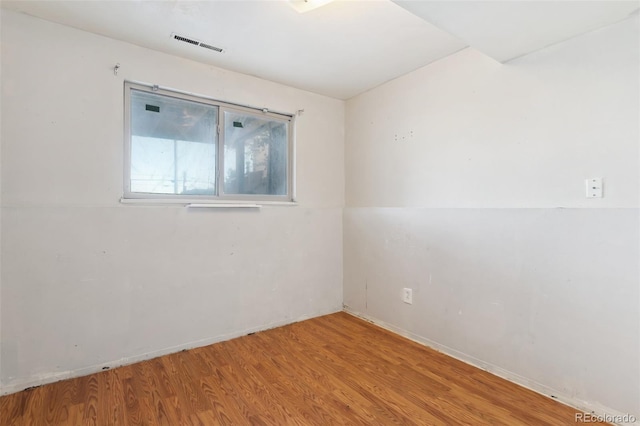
x=335 y=369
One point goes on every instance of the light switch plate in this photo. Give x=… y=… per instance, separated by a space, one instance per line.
x=594 y=187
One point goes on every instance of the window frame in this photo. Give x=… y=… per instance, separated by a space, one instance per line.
x=220 y=196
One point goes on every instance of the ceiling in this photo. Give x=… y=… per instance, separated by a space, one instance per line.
x=505 y=30
x=340 y=49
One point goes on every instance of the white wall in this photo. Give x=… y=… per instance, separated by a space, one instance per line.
x=87 y=281
x=465 y=182
x=0 y=217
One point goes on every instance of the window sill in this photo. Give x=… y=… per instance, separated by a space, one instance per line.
x=193 y=203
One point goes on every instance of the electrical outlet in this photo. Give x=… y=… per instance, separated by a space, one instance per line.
x=407 y=295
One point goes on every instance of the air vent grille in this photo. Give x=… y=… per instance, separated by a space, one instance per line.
x=196 y=43
x=208 y=46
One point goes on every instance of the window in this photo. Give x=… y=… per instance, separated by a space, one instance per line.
x=181 y=146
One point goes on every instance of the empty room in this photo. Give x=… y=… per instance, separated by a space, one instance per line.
x=316 y=212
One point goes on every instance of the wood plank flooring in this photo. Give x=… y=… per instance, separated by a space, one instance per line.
x=335 y=369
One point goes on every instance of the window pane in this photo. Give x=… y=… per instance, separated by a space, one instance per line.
x=173 y=145
x=255 y=155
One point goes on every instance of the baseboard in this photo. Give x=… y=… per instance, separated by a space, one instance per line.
x=44 y=379
x=585 y=406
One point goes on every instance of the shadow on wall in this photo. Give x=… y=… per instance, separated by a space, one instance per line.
x=523 y=289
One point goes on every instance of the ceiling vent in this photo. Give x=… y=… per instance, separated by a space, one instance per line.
x=196 y=42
